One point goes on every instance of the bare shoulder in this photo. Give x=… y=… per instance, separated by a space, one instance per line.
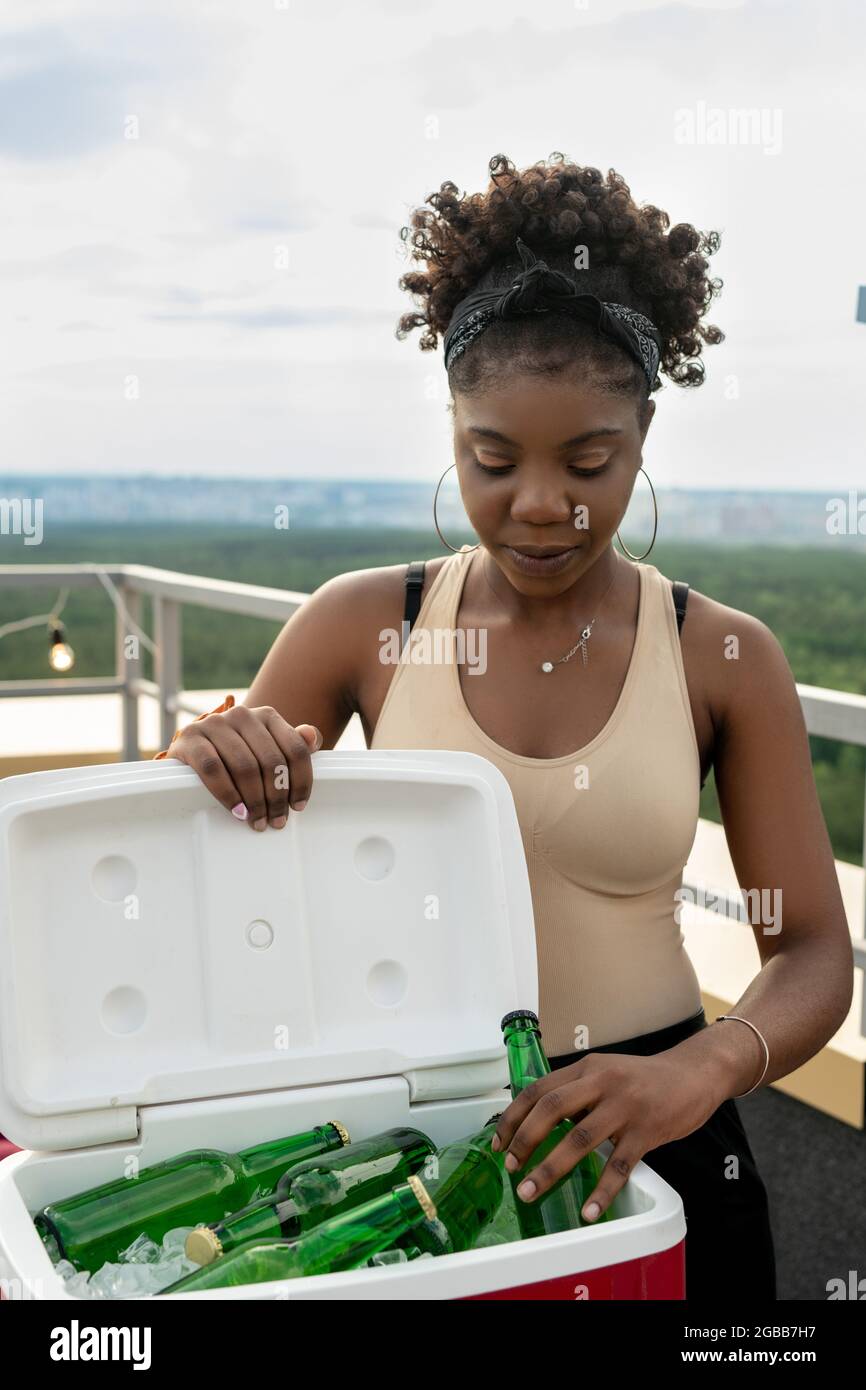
x=324 y=664
x=736 y=656
x=351 y=610
x=358 y=608
x=374 y=596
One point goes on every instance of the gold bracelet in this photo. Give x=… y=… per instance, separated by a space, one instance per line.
x=763 y=1044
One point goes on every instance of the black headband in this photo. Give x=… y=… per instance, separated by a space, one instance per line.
x=537 y=290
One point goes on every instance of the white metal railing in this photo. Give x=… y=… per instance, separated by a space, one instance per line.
x=832 y=714
x=168 y=590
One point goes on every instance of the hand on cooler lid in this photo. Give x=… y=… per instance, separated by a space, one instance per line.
x=256 y=764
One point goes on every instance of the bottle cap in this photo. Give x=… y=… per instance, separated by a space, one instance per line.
x=425 y=1201
x=341 y=1130
x=520 y=1013
x=203 y=1245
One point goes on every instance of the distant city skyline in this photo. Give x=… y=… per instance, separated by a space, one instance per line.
x=202 y=207
x=732 y=516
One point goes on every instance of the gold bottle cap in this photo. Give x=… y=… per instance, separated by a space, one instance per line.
x=341 y=1130
x=425 y=1201
x=203 y=1245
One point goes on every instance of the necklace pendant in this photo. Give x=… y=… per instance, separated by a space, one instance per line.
x=547 y=667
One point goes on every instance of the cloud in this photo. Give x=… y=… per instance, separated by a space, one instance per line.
x=318 y=129
x=276 y=222
x=277 y=318
x=102 y=258
x=65 y=91
x=59 y=112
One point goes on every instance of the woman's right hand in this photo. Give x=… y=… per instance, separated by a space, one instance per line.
x=256 y=764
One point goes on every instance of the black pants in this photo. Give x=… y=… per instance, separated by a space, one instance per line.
x=729 y=1243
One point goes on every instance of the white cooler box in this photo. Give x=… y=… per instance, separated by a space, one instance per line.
x=171 y=980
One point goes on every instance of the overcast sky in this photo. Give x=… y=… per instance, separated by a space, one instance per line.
x=201 y=202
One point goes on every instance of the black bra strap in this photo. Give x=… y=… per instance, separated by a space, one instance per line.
x=414 y=585
x=681 y=598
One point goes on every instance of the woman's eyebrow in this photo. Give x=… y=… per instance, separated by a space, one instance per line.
x=567 y=444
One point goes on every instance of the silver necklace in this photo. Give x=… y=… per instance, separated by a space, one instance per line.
x=548 y=666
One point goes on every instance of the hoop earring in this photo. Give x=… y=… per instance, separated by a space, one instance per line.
x=436 y=521
x=655 y=524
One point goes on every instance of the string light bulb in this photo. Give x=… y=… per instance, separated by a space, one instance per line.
x=61 y=657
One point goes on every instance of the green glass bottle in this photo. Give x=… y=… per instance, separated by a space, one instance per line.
x=466 y=1182
x=343 y=1242
x=317 y=1190
x=202 y=1185
x=560 y=1208
x=504 y=1227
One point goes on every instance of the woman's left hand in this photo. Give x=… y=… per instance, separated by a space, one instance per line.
x=636 y=1102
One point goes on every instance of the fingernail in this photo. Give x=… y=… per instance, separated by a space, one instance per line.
x=260 y=824
x=511 y=1163
x=240 y=811
x=494 y=1142
x=526 y=1189
x=279 y=822
x=592 y=1211
x=299 y=805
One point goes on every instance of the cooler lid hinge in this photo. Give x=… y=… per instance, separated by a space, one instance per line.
x=457 y=1082
x=84 y=1129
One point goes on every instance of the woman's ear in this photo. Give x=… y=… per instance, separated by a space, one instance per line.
x=647 y=413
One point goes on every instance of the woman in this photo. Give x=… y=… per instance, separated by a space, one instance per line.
x=559 y=300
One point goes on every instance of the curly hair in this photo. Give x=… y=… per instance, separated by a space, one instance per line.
x=468 y=243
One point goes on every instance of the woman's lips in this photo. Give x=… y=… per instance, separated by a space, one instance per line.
x=541 y=564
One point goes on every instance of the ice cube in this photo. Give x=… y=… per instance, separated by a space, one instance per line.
x=78 y=1285
x=132 y=1281
x=170 y=1269
x=387 y=1257
x=150 y=1273
x=174 y=1241
x=102 y=1283
x=142 y=1251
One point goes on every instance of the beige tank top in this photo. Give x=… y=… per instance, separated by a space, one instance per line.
x=606 y=830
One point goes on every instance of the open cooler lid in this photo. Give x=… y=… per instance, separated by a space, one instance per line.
x=155 y=949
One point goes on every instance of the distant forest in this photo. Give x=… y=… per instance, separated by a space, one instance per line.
x=813 y=600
